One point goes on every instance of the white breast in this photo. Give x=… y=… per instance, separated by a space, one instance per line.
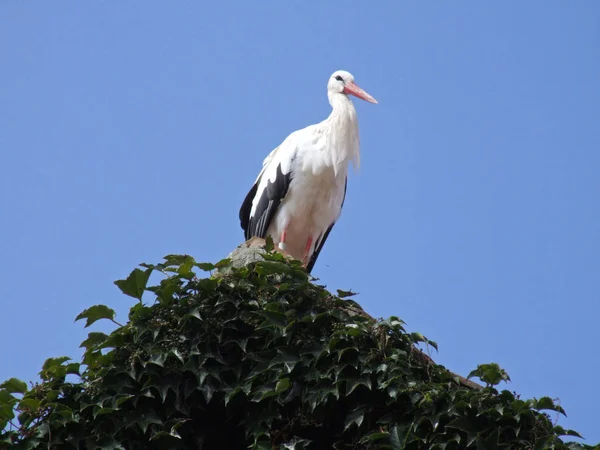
x=313 y=203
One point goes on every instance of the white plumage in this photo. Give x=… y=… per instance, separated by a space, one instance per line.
x=299 y=193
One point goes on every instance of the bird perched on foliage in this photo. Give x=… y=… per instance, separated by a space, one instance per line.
x=299 y=193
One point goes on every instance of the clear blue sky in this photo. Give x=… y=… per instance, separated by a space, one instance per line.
x=133 y=129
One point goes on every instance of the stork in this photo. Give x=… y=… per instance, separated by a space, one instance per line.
x=299 y=193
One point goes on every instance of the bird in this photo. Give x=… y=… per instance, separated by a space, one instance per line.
x=299 y=193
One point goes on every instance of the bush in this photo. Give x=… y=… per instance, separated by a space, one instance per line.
x=260 y=357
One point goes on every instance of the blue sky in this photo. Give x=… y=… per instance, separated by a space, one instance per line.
x=133 y=129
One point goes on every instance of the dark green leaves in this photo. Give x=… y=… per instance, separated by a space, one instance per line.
x=207 y=267
x=94 y=340
x=355 y=417
x=95 y=313
x=344 y=294
x=52 y=363
x=259 y=357
x=54 y=368
x=269 y=244
x=548 y=404
x=14 y=386
x=135 y=284
x=491 y=374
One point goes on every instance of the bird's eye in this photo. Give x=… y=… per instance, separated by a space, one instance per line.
x=339 y=78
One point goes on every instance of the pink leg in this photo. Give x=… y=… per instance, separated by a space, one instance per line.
x=282 y=240
x=307 y=248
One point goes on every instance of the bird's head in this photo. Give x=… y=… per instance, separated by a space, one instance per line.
x=342 y=82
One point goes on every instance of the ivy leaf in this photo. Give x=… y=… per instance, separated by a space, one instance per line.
x=351 y=385
x=399 y=437
x=73 y=368
x=14 y=385
x=490 y=443
x=269 y=246
x=185 y=269
x=54 y=362
x=146 y=418
x=492 y=374
x=547 y=403
x=95 y=313
x=94 y=339
x=560 y=431
x=263 y=343
x=29 y=403
x=135 y=284
x=272 y=318
x=207 y=267
x=176 y=260
x=356 y=417
x=223 y=263
x=139 y=311
x=463 y=424
x=376 y=436
x=264 y=268
x=102 y=411
x=282 y=385
x=418 y=337
x=343 y=294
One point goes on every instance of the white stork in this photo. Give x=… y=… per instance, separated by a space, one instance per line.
x=299 y=193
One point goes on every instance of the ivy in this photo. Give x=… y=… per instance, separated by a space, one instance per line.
x=260 y=357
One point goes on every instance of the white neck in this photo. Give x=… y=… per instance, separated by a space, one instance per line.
x=343 y=139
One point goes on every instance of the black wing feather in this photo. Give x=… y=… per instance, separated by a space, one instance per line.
x=247 y=207
x=319 y=247
x=269 y=201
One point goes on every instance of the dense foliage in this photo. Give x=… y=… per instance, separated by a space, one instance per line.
x=260 y=357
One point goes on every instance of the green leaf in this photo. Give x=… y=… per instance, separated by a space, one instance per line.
x=344 y=294
x=102 y=411
x=94 y=339
x=54 y=362
x=146 y=418
x=356 y=417
x=6 y=398
x=14 y=385
x=139 y=312
x=95 y=313
x=560 y=431
x=176 y=260
x=418 y=337
x=351 y=385
x=135 y=284
x=122 y=398
x=289 y=356
x=194 y=313
x=490 y=443
x=492 y=374
x=547 y=403
x=158 y=359
x=376 y=436
x=398 y=437
x=223 y=263
x=269 y=246
x=185 y=269
x=283 y=385
x=271 y=267
x=207 y=267
x=463 y=424
x=273 y=318
x=29 y=403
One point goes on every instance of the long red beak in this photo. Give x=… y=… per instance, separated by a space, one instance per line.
x=353 y=89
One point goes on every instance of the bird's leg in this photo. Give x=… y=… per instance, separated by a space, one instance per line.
x=307 y=249
x=282 y=240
